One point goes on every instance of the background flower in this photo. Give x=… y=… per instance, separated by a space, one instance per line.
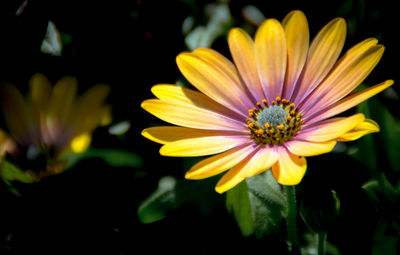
x=50 y=122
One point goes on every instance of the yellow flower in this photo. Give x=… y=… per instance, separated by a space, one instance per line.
x=272 y=107
x=50 y=122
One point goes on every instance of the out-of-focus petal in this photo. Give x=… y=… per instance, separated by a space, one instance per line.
x=16 y=114
x=40 y=91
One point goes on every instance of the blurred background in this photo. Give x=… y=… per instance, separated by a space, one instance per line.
x=146 y=206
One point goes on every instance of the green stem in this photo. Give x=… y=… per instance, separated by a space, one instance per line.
x=292 y=219
x=321 y=239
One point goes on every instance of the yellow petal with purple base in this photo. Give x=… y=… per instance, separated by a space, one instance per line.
x=348 y=102
x=330 y=129
x=344 y=79
x=190 y=116
x=242 y=50
x=322 y=55
x=297 y=40
x=213 y=81
x=235 y=176
x=202 y=146
x=271 y=57
x=219 y=163
x=175 y=94
x=306 y=148
x=168 y=134
x=290 y=168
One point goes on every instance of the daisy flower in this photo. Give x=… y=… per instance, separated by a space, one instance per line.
x=270 y=108
x=49 y=123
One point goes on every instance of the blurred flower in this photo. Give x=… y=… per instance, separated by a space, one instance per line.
x=273 y=108
x=49 y=123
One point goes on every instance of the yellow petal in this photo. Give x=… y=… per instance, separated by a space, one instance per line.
x=202 y=146
x=173 y=93
x=306 y=148
x=62 y=98
x=290 y=168
x=271 y=57
x=345 y=78
x=242 y=50
x=89 y=109
x=366 y=127
x=214 y=82
x=219 y=163
x=267 y=155
x=330 y=129
x=190 y=116
x=168 y=134
x=235 y=176
x=7 y=144
x=347 y=60
x=297 y=40
x=80 y=143
x=348 y=102
x=16 y=113
x=322 y=55
x=40 y=90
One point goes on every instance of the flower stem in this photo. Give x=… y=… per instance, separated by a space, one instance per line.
x=321 y=239
x=291 y=219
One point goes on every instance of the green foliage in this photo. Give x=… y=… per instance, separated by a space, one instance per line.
x=172 y=193
x=386 y=145
x=258 y=205
x=155 y=207
x=115 y=158
x=238 y=203
x=9 y=172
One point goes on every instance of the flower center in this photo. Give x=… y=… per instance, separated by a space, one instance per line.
x=274 y=124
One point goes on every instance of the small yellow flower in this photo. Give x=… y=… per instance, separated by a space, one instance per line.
x=272 y=107
x=50 y=122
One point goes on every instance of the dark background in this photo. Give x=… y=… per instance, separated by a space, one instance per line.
x=131 y=45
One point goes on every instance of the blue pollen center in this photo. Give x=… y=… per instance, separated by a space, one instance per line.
x=273 y=115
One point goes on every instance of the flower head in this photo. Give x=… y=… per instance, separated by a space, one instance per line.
x=49 y=123
x=272 y=107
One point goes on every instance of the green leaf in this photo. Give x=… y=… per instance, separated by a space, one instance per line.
x=238 y=203
x=115 y=158
x=155 y=207
x=268 y=203
x=9 y=172
x=258 y=205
